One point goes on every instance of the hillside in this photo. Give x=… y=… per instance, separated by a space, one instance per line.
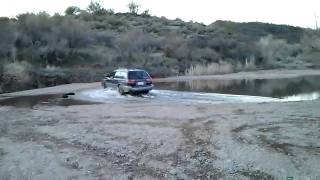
x=38 y=50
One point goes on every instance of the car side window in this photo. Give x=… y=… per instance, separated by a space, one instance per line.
x=120 y=75
x=124 y=75
x=112 y=74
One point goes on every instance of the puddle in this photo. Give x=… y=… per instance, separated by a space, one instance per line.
x=302 y=88
x=31 y=101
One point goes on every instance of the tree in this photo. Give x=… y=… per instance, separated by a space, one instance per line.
x=110 y=11
x=72 y=10
x=8 y=34
x=96 y=9
x=133 y=8
x=316 y=20
x=145 y=13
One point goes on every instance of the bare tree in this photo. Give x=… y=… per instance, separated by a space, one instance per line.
x=133 y=8
x=96 y=8
x=316 y=20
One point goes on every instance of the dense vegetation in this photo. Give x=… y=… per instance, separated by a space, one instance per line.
x=39 y=50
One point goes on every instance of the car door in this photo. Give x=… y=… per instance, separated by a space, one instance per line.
x=110 y=81
x=119 y=77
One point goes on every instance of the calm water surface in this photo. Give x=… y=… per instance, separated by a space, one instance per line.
x=276 y=88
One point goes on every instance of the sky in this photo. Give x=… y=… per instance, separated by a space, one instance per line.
x=302 y=13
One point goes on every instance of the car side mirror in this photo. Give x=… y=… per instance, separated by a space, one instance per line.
x=108 y=75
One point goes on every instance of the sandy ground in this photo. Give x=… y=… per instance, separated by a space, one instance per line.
x=159 y=140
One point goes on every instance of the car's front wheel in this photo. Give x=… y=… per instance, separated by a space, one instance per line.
x=120 y=90
x=104 y=85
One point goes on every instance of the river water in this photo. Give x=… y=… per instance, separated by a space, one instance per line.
x=302 y=88
x=193 y=91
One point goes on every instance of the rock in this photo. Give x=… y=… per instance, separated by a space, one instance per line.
x=173 y=172
x=75 y=165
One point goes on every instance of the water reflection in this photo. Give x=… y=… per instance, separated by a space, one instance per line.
x=292 y=88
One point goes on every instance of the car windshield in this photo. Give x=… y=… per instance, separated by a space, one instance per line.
x=138 y=75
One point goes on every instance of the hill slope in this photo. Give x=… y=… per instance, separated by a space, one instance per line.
x=39 y=50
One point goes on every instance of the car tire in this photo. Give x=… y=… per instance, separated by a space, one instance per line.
x=120 y=90
x=104 y=85
x=145 y=92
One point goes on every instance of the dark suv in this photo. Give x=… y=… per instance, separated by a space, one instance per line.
x=135 y=81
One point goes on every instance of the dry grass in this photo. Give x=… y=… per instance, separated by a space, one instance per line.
x=17 y=72
x=223 y=67
x=210 y=69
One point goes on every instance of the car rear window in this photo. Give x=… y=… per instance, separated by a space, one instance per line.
x=138 y=75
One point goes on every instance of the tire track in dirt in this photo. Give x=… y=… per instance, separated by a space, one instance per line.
x=117 y=159
x=264 y=141
x=198 y=133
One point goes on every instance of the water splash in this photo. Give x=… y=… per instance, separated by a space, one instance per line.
x=110 y=95
x=302 y=97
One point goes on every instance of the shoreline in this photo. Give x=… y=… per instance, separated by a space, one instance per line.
x=261 y=74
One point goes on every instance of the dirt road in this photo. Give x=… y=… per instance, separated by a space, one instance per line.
x=160 y=140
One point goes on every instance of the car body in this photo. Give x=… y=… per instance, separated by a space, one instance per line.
x=135 y=81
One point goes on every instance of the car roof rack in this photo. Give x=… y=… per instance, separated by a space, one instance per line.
x=129 y=69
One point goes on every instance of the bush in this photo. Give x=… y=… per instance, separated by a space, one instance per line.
x=276 y=51
x=72 y=10
x=16 y=76
x=175 y=46
x=137 y=41
x=18 y=72
x=77 y=33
